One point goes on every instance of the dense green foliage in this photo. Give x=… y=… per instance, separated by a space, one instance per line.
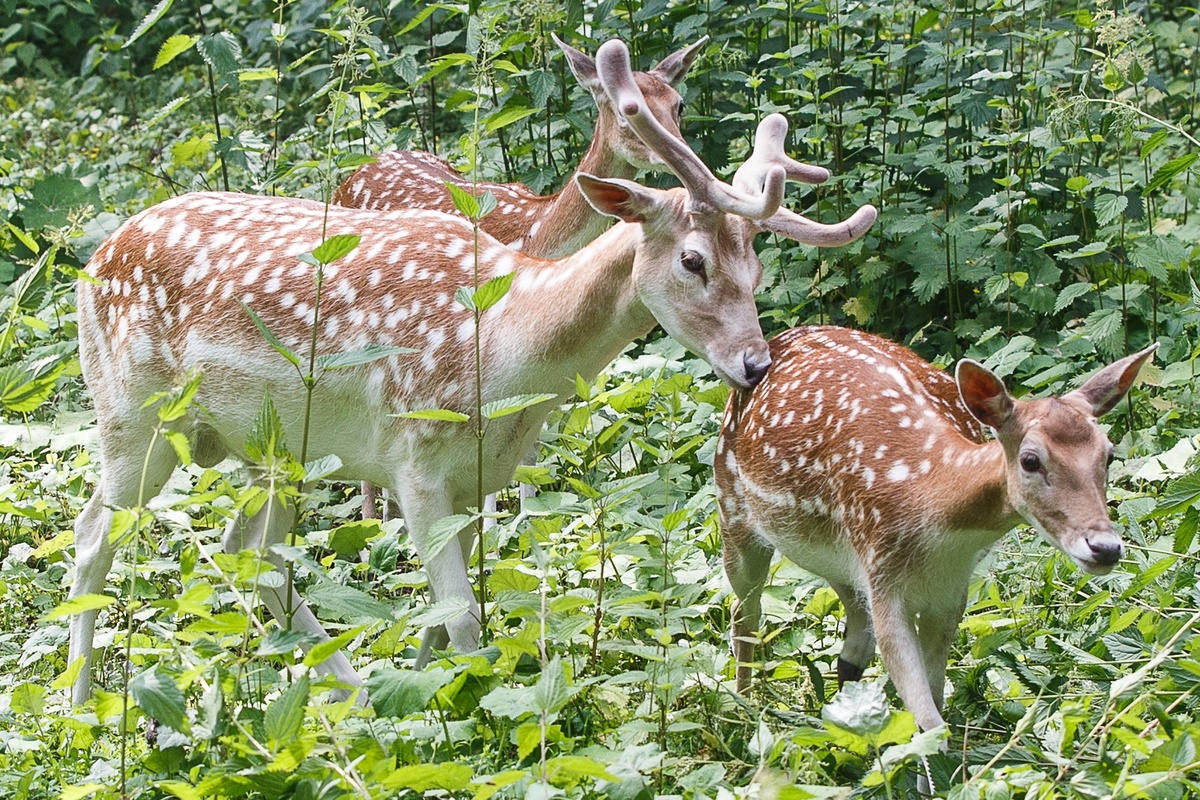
x=1034 y=162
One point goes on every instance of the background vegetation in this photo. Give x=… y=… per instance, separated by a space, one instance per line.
x=1034 y=162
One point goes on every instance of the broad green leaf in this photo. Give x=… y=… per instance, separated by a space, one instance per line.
x=511 y=702
x=400 y=692
x=323 y=467
x=285 y=716
x=440 y=613
x=180 y=789
x=24 y=238
x=22 y=390
x=80 y=790
x=347 y=602
x=465 y=202
x=157 y=695
x=439 y=414
x=506 y=117
x=78 y=605
x=511 y=405
x=1168 y=171
x=336 y=247
x=1070 y=294
x=222 y=52
x=364 y=355
x=491 y=292
x=1109 y=207
x=349 y=539
x=574 y=767
x=320 y=652
x=553 y=690
x=448 y=777
x=860 y=707
x=465 y=297
x=443 y=532
x=28 y=698
x=174 y=46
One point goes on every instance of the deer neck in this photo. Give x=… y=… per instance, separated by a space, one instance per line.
x=570 y=317
x=570 y=222
x=972 y=481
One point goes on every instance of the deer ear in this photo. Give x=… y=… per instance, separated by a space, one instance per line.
x=582 y=65
x=983 y=393
x=1105 y=389
x=613 y=197
x=674 y=68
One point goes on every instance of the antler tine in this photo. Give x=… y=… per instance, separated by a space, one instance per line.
x=804 y=230
x=616 y=75
x=769 y=150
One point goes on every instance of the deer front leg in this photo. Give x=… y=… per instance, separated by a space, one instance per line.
x=859 y=646
x=747 y=564
x=900 y=648
x=936 y=632
x=424 y=505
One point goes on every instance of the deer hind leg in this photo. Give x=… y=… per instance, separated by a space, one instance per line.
x=260 y=532
x=136 y=465
x=747 y=565
x=859 y=646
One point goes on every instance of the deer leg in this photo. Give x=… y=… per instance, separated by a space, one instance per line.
x=369 y=494
x=747 y=565
x=260 y=532
x=901 y=650
x=446 y=569
x=936 y=632
x=859 y=646
x=129 y=478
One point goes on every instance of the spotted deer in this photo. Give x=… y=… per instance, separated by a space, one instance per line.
x=162 y=301
x=547 y=226
x=869 y=467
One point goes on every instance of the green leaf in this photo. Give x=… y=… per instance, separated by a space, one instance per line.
x=493 y=291
x=148 y=21
x=465 y=296
x=400 y=692
x=438 y=414
x=174 y=46
x=447 y=777
x=222 y=52
x=510 y=702
x=321 y=468
x=466 y=203
x=1070 y=294
x=78 y=605
x=271 y=338
x=511 y=405
x=347 y=602
x=22 y=390
x=157 y=695
x=1109 y=207
x=28 y=698
x=859 y=707
x=285 y=716
x=506 y=117
x=349 y=539
x=320 y=652
x=1104 y=326
x=336 y=247
x=180 y=789
x=364 y=355
x=444 y=531
x=1167 y=172
x=553 y=690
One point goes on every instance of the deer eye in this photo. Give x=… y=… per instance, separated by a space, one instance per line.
x=1030 y=462
x=693 y=262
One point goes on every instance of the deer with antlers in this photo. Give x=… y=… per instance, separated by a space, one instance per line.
x=869 y=467
x=163 y=302
x=547 y=226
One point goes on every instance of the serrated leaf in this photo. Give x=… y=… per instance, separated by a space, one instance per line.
x=363 y=355
x=322 y=467
x=553 y=690
x=438 y=414
x=1070 y=294
x=510 y=702
x=148 y=21
x=285 y=716
x=400 y=692
x=1109 y=207
x=506 y=117
x=347 y=602
x=336 y=247
x=511 y=405
x=1104 y=325
x=419 y=778
x=542 y=84
x=22 y=390
x=1167 y=172
x=493 y=291
x=465 y=297
x=349 y=539
x=222 y=52
x=859 y=707
x=440 y=613
x=320 y=652
x=174 y=46
x=465 y=202
x=443 y=532
x=158 y=696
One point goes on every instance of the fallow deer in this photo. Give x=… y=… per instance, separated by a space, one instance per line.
x=867 y=466
x=163 y=301
x=547 y=226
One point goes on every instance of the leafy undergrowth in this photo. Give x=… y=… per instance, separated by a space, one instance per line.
x=1035 y=173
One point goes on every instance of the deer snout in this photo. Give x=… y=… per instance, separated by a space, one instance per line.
x=1106 y=549
x=756 y=362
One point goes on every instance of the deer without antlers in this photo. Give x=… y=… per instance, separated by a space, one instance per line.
x=866 y=465
x=163 y=303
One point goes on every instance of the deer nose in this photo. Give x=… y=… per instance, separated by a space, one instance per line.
x=1106 y=549
x=756 y=366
